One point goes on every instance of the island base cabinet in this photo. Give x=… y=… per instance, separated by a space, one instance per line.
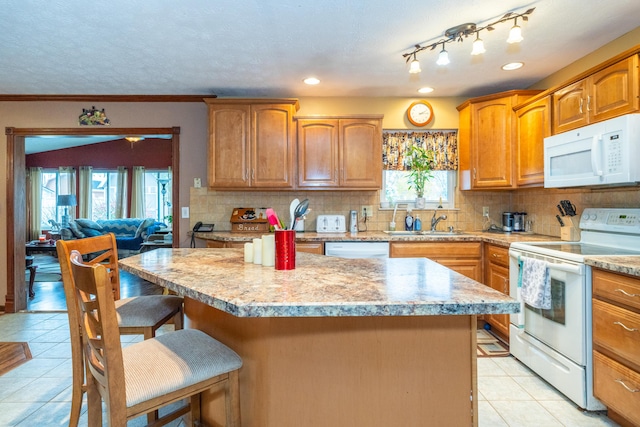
x=346 y=371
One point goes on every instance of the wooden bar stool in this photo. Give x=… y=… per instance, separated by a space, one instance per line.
x=137 y=315
x=150 y=374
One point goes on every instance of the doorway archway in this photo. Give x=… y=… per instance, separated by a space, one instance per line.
x=16 y=298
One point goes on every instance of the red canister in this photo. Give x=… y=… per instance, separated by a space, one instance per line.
x=285 y=249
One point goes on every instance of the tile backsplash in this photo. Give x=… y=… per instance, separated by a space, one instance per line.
x=210 y=206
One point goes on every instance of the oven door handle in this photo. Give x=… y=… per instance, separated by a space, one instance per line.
x=564 y=267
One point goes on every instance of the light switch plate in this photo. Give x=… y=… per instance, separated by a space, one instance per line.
x=185 y=212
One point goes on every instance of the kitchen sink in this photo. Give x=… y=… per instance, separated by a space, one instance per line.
x=424 y=233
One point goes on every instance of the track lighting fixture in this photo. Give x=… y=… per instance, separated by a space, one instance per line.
x=460 y=32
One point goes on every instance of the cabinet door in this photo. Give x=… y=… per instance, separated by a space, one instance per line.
x=471 y=268
x=614 y=90
x=318 y=153
x=491 y=139
x=569 y=108
x=272 y=149
x=229 y=129
x=497 y=277
x=360 y=153
x=533 y=125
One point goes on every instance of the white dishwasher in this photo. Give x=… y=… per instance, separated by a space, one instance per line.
x=357 y=249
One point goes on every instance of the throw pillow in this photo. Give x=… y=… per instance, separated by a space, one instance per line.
x=87 y=223
x=91 y=232
x=76 y=230
x=144 y=225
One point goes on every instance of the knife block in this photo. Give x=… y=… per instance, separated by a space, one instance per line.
x=570 y=232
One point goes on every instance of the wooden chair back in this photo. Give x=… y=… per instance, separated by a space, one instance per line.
x=104 y=251
x=100 y=332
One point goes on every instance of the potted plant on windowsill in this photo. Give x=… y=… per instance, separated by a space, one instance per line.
x=420 y=161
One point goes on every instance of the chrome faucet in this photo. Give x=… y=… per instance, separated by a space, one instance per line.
x=435 y=221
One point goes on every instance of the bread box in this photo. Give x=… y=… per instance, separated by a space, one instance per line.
x=249 y=220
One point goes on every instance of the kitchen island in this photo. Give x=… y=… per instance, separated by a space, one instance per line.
x=335 y=342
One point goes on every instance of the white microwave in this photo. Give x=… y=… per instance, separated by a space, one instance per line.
x=605 y=153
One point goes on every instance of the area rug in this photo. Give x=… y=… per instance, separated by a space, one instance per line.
x=12 y=355
x=48 y=269
x=490 y=346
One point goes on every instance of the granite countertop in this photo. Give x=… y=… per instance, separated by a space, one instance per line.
x=319 y=286
x=627 y=264
x=501 y=239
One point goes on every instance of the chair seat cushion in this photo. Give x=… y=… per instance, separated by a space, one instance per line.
x=173 y=361
x=146 y=310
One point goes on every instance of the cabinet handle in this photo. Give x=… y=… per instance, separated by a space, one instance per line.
x=496 y=255
x=624 y=326
x=246 y=175
x=581 y=102
x=253 y=174
x=588 y=103
x=632 y=390
x=622 y=291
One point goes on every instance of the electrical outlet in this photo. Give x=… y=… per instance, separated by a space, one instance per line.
x=366 y=211
x=485 y=211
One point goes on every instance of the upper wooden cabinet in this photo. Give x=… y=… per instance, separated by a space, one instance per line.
x=533 y=124
x=340 y=153
x=610 y=92
x=251 y=143
x=487 y=136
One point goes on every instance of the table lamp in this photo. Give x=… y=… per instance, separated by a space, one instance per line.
x=66 y=200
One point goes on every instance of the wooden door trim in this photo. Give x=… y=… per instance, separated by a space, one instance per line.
x=15 y=251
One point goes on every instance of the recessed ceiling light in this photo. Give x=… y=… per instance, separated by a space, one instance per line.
x=311 y=81
x=425 y=90
x=512 y=66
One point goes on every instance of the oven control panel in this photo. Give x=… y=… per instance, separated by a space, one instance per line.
x=611 y=220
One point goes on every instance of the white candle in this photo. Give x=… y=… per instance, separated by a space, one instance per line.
x=248 y=252
x=269 y=250
x=257 y=251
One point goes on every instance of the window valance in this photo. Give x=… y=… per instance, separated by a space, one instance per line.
x=443 y=144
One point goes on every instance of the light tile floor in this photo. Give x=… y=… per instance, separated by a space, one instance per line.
x=38 y=393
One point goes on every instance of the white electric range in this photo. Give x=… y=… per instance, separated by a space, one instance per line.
x=557 y=343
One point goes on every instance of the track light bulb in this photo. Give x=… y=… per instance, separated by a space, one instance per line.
x=478 y=46
x=515 y=34
x=415 y=66
x=443 y=57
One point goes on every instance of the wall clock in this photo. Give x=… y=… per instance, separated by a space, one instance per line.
x=420 y=113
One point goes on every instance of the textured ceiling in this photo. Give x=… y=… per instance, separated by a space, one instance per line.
x=264 y=48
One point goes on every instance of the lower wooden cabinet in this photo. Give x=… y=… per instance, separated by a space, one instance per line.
x=616 y=344
x=496 y=276
x=462 y=257
x=310 y=247
x=219 y=244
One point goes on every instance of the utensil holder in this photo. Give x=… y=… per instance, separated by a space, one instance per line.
x=285 y=249
x=571 y=231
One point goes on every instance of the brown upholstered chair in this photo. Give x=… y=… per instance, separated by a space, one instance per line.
x=150 y=374
x=137 y=315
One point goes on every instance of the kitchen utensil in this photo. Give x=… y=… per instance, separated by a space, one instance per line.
x=300 y=210
x=569 y=208
x=273 y=218
x=560 y=221
x=292 y=208
x=560 y=209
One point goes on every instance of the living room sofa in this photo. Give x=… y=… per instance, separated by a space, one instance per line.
x=130 y=232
